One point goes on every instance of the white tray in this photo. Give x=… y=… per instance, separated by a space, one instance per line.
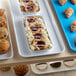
x=52 y=70
x=54 y=34
x=9 y=54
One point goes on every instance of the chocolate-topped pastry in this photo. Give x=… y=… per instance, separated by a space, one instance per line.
x=3 y=33
x=2 y=13
x=73 y=26
x=56 y=64
x=30 y=6
x=3 y=22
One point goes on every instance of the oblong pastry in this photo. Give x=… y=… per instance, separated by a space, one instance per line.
x=2 y=13
x=3 y=33
x=62 y=2
x=4 y=46
x=21 y=70
x=5 y=69
x=73 y=1
x=73 y=26
x=3 y=22
x=68 y=12
x=29 y=7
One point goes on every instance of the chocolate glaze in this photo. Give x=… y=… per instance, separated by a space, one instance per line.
x=31 y=20
x=37 y=35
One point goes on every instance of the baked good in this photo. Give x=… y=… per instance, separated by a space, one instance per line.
x=4 y=46
x=5 y=69
x=2 y=13
x=62 y=2
x=37 y=34
x=42 y=66
x=73 y=26
x=20 y=70
x=68 y=12
x=29 y=7
x=3 y=22
x=3 y=33
x=73 y=1
x=69 y=63
x=55 y=65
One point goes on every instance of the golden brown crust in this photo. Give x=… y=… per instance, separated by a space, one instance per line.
x=3 y=33
x=73 y=26
x=62 y=2
x=20 y=70
x=4 y=46
x=68 y=12
x=73 y=1
x=5 y=69
x=3 y=22
x=2 y=13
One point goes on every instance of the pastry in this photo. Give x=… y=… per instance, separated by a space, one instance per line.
x=37 y=34
x=20 y=70
x=55 y=65
x=5 y=69
x=73 y=26
x=42 y=66
x=30 y=7
x=73 y=1
x=62 y=2
x=3 y=33
x=68 y=12
x=69 y=63
x=4 y=46
x=2 y=13
x=3 y=22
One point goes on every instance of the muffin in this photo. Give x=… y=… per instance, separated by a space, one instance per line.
x=73 y=26
x=3 y=22
x=3 y=33
x=68 y=12
x=5 y=69
x=4 y=46
x=20 y=70
x=30 y=7
x=2 y=13
x=73 y=1
x=62 y=2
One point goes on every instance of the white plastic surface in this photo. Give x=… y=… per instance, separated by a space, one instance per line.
x=20 y=33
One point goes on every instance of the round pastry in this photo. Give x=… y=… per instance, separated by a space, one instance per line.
x=4 y=46
x=20 y=70
x=62 y=2
x=30 y=7
x=2 y=14
x=56 y=64
x=73 y=26
x=3 y=22
x=69 y=63
x=42 y=66
x=5 y=69
x=3 y=33
x=73 y=1
x=69 y=12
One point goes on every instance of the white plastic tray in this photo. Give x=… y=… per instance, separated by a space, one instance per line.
x=9 y=54
x=52 y=70
x=54 y=34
